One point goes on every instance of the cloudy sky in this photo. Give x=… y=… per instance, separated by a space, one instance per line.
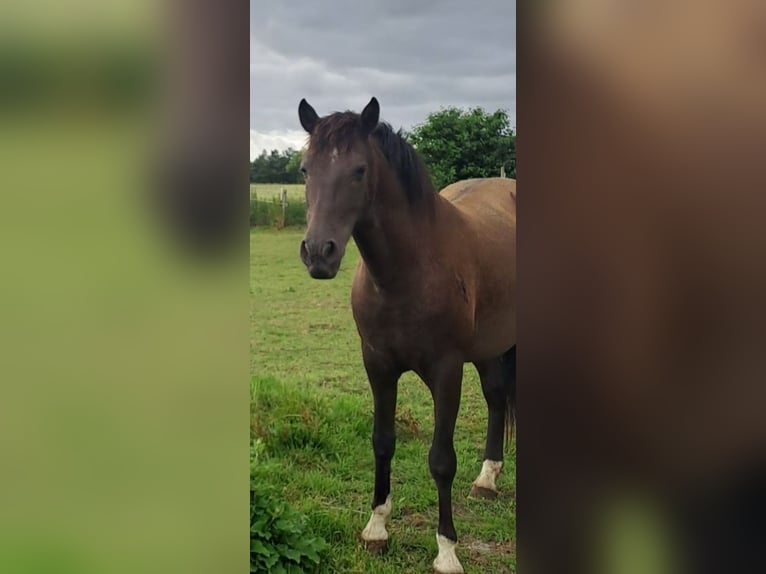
x=415 y=56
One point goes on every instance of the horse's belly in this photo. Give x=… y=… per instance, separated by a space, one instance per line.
x=494 y=335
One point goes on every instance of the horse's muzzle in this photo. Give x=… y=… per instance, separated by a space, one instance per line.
x=322 y=258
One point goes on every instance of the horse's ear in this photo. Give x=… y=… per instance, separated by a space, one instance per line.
x=370 y=116
x=307 y=116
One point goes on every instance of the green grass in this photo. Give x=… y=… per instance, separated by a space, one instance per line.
x=269 y=190
x=312 y=408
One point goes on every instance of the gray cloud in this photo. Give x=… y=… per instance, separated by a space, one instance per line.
x=414 y=56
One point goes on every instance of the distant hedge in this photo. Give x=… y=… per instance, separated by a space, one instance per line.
x=268 y=213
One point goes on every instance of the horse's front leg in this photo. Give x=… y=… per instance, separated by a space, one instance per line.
x=384 y=380
x=445 y=378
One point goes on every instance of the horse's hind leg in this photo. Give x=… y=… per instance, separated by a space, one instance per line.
x=498 y=383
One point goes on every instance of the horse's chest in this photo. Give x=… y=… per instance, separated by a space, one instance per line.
x=410 y=333
x=402 y=324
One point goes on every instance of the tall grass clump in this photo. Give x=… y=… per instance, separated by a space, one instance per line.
x=281 y=540
x=268 y=213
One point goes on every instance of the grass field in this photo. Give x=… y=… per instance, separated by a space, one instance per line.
x=269 y=190
x=312 y=408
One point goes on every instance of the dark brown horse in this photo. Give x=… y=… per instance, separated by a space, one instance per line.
x=434 y=290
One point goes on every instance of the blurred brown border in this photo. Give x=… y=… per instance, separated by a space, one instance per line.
x=642 y=188
x=203 y=178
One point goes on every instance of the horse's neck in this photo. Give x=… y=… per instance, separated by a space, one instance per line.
x=394 y=238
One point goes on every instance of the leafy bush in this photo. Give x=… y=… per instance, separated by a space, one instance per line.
x=457 y=143
x=279 y=540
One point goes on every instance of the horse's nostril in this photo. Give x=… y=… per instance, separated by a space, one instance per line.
x=329 y=248
x=304 y=251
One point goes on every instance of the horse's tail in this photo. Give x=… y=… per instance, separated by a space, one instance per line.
x=509 y=364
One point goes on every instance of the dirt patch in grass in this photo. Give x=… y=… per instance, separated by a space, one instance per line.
x=414 y=518
x=485 y=553
x=407 y=426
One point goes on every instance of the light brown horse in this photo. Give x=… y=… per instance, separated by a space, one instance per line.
x=435 y=288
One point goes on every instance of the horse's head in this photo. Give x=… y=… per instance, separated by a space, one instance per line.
x=337 y=166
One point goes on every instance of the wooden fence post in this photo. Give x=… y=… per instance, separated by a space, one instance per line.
x=283 y=199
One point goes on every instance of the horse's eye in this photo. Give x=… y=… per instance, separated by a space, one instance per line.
x=303 y=171
x=360 y=171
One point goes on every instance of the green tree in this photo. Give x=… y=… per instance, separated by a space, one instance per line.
x=293 y=167
x=276 y=167
x=460 y=144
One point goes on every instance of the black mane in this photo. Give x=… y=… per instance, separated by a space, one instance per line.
x=405 y=161
x=342 y=129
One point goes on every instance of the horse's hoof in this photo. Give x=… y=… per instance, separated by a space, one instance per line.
x=376 y=546
x=446 y=561
x=481 y=492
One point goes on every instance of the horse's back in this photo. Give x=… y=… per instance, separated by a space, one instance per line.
x=478 y=198
x=488 y=206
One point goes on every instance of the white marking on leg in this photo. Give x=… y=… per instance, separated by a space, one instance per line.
x=490 y=470
x=376 y=527
x=446 y=562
